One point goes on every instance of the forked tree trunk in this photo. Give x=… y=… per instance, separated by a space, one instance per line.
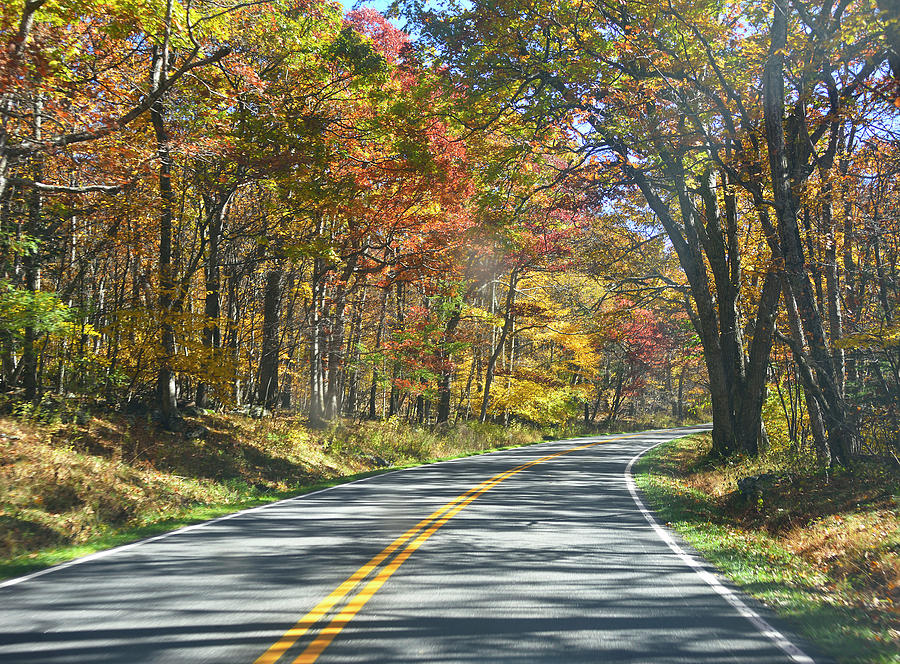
x=842 y=438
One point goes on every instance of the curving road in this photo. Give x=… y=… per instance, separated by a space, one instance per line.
x=538 y=554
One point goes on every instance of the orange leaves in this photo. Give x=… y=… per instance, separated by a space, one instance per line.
x=390 y=41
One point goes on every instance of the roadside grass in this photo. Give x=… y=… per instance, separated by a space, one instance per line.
x=68 y=490
x=822 y=550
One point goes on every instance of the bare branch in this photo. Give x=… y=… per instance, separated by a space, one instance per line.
x=45 y=188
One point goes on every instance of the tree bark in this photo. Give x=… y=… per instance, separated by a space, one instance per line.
x=508 y=319
x=782 y=164
x=891 y=15
x=31 y=264
x=446 y=376
x=379 y=330
x=316 y=340
x=165 y=383
x=832 y=282
x=267 y=382
x=817 y=426
x=212 y=335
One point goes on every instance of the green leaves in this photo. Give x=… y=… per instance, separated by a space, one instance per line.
x=43 y=312
x=357 y=54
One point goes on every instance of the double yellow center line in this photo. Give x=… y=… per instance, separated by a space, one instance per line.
x=412 y=539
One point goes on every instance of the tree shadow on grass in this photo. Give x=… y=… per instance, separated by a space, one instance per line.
x=731 y=533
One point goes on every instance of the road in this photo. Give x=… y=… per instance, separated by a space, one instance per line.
x=538 y=554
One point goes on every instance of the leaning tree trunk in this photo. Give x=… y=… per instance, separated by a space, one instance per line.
x=814 y=412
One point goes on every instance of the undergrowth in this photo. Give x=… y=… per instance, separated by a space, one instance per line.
x=68 y=489
x=821 y=548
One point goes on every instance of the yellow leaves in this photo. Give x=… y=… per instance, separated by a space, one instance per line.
x=73 y=330
x=883 y=338
x=483 y=316
x=533 y=401
x=304 y=290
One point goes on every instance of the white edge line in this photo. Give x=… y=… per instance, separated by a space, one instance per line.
x=763 y=626
x=196 y=526
x=179 y=531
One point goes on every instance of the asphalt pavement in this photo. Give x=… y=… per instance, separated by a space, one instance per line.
x=538 y=554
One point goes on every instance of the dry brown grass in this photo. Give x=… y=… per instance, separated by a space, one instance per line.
x=67 y=484
x=846 y=524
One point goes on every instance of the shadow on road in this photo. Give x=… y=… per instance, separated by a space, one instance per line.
x=554 y=564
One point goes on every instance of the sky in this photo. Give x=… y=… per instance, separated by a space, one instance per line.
x=379 y=5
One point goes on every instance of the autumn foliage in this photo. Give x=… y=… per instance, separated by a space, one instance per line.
x=280 y=205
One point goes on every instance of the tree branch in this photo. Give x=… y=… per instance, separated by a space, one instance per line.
x=45 y=188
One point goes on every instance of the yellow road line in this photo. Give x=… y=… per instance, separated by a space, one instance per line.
x=290 y=637
x=437 y=519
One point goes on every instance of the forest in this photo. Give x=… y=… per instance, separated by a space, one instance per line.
x=506 y=211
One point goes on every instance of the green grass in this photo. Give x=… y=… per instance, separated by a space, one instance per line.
x=342 y=441
x=826 y=609
x=44 y=558
x=218 y=482
x=69 y=490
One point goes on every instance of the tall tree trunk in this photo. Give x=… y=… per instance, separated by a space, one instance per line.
x=832 y=281
x=212 y=335
x=31 y=261
x=508 y=320
x=316 y=344
x=231 y=331
x=286 y=393
x=16 y=49
x=7 y=361
x=841 y=435
x=373 y=388
x=165 y=383
x=687 y=244
x=883 y=297
x=446 y=375
x=615 y=402
x=335 y=353
x=890 y=12
x=267 y=382
x=750 y=428
x=394 y=399
x=817 y=425
x=351 y=351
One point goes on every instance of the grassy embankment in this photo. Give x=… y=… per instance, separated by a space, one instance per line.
x=822 y=549
x=69 y=489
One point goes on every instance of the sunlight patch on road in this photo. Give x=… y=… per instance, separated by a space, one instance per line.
x=412 y=539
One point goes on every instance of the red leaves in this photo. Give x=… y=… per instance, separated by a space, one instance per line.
x=389 y=41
